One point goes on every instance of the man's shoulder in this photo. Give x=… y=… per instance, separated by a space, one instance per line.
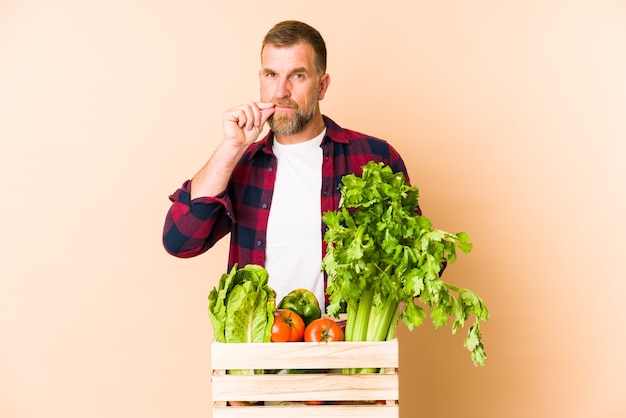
x=343 y=135
x=360 y=148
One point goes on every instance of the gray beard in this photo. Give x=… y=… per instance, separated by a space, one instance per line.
x=284 y=125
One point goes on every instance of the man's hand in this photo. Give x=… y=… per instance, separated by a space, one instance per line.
x=243 y=124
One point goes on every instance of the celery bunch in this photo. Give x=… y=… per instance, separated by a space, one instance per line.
x=384 y=261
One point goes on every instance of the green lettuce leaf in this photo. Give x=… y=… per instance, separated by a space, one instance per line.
x=242 y=308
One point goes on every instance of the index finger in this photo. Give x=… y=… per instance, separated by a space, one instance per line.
x=266 y=109
x=265 y=105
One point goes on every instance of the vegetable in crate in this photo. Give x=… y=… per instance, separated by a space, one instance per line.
x=242 y=307
x=288 y=326
x=304 y=303
x=383 y=258
x=323 y=330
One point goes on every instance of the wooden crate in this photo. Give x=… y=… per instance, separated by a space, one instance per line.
x=281 y=395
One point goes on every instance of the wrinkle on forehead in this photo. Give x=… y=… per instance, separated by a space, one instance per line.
x=290 y=59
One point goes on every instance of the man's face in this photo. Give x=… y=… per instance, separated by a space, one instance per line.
x=290 y=80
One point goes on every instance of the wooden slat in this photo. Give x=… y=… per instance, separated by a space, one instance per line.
x=299 y=387
x=304 y=355
x=307 y=411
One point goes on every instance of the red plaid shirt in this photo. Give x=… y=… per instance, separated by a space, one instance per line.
x=192 y=227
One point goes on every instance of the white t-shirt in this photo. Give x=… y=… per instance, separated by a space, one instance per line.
x=293 y=252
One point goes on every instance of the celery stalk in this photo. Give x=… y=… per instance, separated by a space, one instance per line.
x=383 y=316
x=362 y=316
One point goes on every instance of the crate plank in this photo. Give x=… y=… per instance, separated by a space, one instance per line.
x=304 y=355
x=307 y=411
x=299 y=387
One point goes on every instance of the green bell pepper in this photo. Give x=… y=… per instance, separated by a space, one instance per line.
x=304 y=303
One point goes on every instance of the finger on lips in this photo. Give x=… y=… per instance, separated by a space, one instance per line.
x=252 y=114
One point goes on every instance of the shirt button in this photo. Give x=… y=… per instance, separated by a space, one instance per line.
x=270 y=169
x=259 y=243
x=264 y=205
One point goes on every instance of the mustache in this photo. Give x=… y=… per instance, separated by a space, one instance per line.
x=285 y=103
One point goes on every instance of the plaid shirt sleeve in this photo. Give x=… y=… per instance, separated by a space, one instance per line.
x=192 y=227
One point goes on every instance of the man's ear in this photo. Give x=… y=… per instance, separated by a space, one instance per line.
x=324 y=83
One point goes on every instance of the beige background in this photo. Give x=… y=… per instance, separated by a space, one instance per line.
x=510 y=116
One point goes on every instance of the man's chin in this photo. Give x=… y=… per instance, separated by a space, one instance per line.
x=282 y=125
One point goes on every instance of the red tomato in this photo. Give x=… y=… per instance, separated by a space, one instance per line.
x=323 y=330
x=288 y=326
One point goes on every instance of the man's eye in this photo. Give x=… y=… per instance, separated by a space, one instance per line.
x=298 y=76
x=270 y=75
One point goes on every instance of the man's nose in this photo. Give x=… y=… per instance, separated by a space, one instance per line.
x=283 y=88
